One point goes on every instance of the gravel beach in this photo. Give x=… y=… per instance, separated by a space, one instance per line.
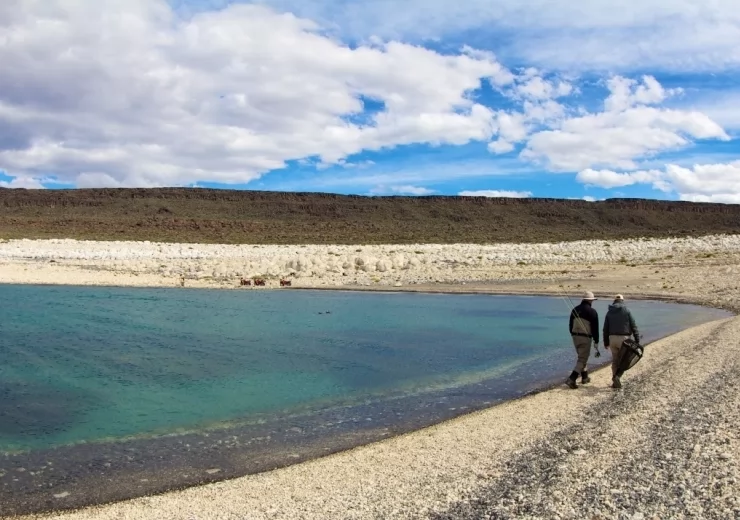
x=665 y=446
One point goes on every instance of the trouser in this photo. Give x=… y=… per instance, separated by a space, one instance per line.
x=615 y=344
x=583 y=351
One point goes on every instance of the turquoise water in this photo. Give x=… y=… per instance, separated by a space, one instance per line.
x=94 y=364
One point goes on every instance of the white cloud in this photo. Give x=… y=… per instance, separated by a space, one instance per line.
x=143 y=98
x=611 y=179
x=97 y=180
x=497 y=193
x=537 y=88
x=616 y=140
x=708 y=182
x=722 y=198
x=23 y=182
x=701 y=183
x=500 y=146
x=627 y=93
x=721 y=106
x=511 y=126
x=146 y=98
x=562 y=34
x=628 y=129
x=543 y=112
x=401 y=190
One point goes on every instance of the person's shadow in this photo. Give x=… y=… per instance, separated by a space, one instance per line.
x=589 y=389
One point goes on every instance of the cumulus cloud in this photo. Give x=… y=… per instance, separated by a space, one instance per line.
x=626 y=93
x=587 y=198
x=716 y=198
x=496 y=194
x=536 y=87
x=628 y=129
x=500 y=146
x=144 y=98
x=701 y=183
x=22 y=182
x=611 y=179
x=401 y=190
x=706 y=182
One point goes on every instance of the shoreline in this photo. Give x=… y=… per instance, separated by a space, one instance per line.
x=459 y=468
x=274 y=441
x=658 y=268
x=427 y=289
x=732 y=308
x=262 y=490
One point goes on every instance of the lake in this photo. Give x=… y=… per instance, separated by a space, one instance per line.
x=212 y=384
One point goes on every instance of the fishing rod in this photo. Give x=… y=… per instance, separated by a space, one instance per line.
x=572 y=308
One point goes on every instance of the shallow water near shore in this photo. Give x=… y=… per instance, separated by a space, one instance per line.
x=85 y=364
x=206 y=384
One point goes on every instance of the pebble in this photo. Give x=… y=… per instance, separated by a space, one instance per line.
x=633 y=485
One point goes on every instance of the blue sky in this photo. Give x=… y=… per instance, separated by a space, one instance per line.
x=546 y=99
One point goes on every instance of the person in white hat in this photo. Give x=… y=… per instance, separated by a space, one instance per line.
x=619 y=325
x=584 y=328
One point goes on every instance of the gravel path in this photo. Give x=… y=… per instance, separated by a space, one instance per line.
x=666 y=446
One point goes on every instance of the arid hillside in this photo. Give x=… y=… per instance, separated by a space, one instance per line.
x=226 y=216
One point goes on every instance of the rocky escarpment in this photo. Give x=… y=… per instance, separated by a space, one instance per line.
x=252 y=217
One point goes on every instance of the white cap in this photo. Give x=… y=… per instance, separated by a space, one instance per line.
x=588 y=295
x=618 y=297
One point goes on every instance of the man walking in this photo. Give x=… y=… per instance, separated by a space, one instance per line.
x=583 y=326
x=619 y=325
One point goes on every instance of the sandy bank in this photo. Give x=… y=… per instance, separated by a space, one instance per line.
x=665 y=447
x=703 y=268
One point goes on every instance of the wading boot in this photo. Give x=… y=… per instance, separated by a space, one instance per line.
x=584 y=378
x=616 y=383
x=571 y=381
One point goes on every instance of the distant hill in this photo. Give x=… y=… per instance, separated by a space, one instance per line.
x=252 y=217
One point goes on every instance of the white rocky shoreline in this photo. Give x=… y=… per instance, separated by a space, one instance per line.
x=358 y=265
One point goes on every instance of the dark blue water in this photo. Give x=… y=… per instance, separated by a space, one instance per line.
x=84 y=364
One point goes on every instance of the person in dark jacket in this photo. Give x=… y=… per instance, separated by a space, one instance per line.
x=583 y=326
x=619 y=325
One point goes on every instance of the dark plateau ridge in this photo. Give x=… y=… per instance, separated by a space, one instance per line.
x=197 y=215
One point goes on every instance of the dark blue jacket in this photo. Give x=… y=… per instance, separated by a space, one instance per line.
x=619 y=322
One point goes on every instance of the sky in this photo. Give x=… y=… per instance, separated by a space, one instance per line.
x=544 y=98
